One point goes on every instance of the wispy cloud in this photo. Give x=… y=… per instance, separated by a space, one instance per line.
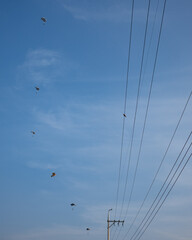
x=112 y=12
x=41 y=66
x=79 y=117
x=45 y=66
x=58 y=120
x=100 y=123
x=41 y=58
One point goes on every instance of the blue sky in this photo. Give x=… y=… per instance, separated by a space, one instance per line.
x=78 y=59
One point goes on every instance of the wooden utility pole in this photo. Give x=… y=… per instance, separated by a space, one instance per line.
x=112 y=223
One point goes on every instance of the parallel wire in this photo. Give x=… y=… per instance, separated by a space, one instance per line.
x=137 y=102
x=136 y=108
x=148 y=102
x=125 y=104
x=167 y=149
x=144 y=128
x=141 y=69
x=150 y=41
x=163 y=200
x=161 y=187
x=144 y=125
x=170 y=172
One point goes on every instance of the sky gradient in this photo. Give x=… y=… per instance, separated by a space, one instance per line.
x=78 y=59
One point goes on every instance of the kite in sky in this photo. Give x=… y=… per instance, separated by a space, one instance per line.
x=73 y=205
x=44 y=19
x=37 y=89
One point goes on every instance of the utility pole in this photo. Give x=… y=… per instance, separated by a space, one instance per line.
x=112 y=223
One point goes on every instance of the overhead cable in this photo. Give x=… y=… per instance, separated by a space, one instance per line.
x=125 y=105
x=170 y=172
x=144 y=229
x=167 y=149
x=136 y=108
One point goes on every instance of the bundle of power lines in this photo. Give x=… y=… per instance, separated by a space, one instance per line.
x=181 y=160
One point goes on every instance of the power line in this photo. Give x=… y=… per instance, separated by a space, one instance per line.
x=163 y=200
x=135 y=117
x=150 y=41
x=167 y=149
x=137 y=101
x=149 y=97
x=136 y=107
x=143 y=53
x=125 y=104
x=164 y=185
x=124 y=110
x=161 y=187
x=148 y=102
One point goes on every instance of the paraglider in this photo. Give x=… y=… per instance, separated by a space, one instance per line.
x=33 y=132
x=53 y=174
x=37 y=89
x=44 y=19
x=73 y=205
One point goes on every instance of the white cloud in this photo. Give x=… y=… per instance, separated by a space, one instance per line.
x=83 y=118
x=80 y=117
x=41 y=66
x=112 y=12
x=44 y=66
x=57 y=120
x=99 y=123
x=41 y=58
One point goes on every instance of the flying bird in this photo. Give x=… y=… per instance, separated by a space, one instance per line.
x=53 y=174
x=87 y=229
x=33 y=132
x=44 y=19
x=124 y=115
x=37 y=89
x=73 y=205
